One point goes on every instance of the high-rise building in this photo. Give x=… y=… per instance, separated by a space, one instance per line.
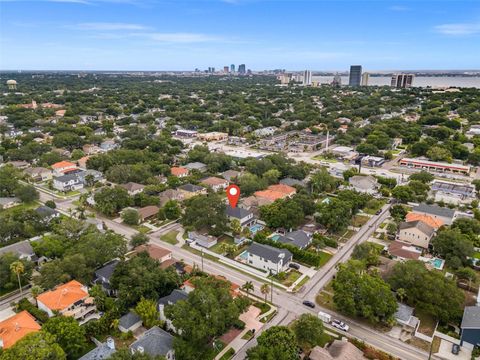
x=355 y=75
x=284 y=78
x=337 y=80
x=307 y=78
x=232 y=68
x=365 y=78
x=225 y=69
x=401 y=81
x=242 y=69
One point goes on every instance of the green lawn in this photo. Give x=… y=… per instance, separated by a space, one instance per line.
x=301 y=283
x=325 y=257
x=228 y=355
x=248 y=335
x=170 y=237
x=217 y=248
x=322 y=158
x=290 y=277
x=142 y=229
x=476 y=255
x=359 y=220
x=427 y=322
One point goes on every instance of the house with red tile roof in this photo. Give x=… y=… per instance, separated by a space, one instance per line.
x=16 y=327
x=427 y=219
x=62 y=167
x=70 y=299
x=275 y=192
x=179 y=171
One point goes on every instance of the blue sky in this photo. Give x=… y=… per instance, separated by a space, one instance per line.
x=264 y=34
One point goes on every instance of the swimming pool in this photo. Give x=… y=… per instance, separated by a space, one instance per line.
x=244 y=255
x=437 y=263
x=255 y=228
x=275 y=237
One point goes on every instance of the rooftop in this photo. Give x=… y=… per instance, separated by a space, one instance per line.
x=63 y=296
x=16 y=327
x=154 y=342
x=434 y=210
x=471 y=317
x=269 y=252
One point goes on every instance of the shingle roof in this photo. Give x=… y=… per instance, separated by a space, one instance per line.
x=471 y=317
x=237 y=212
x=299 y=238
x=269 y=252
x=20 y=248
x=154 y=342
x=45 y=211
x=129 y=319
x=195 y=166
x=101 y=352
x=420 y=225
x=107 y=270
x=434 y=210
x=191 y=188
x=175 y=295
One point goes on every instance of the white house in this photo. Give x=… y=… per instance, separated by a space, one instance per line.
x=268 y=258
x=244 y=216
x=68 y=182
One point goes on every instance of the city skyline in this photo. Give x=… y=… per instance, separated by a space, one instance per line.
x=183 y=35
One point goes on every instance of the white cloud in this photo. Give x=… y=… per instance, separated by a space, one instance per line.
x=179 y=37
x=458 y=29
x=108 y=26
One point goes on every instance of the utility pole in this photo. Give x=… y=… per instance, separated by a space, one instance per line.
x=202 y=258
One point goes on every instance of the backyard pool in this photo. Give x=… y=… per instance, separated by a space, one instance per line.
x=275 y=237
x=437 y=263
x=255 y=228
x=244 y=255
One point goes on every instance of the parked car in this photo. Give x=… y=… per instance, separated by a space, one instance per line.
x=455 y=349
x=294 y=266
x=378 y=212
x=340 y=325
x=309 y=304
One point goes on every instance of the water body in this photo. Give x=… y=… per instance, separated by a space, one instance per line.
x=421 y=81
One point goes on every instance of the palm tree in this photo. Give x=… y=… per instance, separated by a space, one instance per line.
x=18 y=268
x=224 y=247
x=401 y=293
x=265 y=290
x=247 y=287
x=35 y=290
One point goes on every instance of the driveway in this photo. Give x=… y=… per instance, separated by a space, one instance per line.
x=445 y=352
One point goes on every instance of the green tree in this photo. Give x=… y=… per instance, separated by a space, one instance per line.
x=39 y=345
x=147 y=310
x=265 y=290
x=51 y=204
x=172 y=210
x=130 y=216
x=367 y=252
x=138 y=239
x=247 y=287
x=271 y=176
x=275 y=343
x=334 y=215
x=206 y=212
x=453 y=246
x=308 y=331
x=110 y=200
x=68 y=334
x=8 y=180
x=321 y=181
x=438 y=153
x=398 y=212
x=422 y=176
x=358 y=293
x=18 y=269
x=26 y=193
x=467 y=274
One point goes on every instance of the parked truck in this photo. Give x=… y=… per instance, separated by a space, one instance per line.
x=326 y=318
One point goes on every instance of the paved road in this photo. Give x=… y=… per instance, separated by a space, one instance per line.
x=290 y=305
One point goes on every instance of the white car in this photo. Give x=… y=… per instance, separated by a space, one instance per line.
x=340 y=325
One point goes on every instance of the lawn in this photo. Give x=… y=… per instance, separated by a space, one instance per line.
x=323 y=158
x=325 y=300
x=427 y=323
x=359 y=220
x=301 y=283
x=248 y=335
x=228 y=355
x=290 y=277
x=374 y=206
x=224 y=239
x=170 y=237
x=264 y=307
x=476 y=255
x=142 y=229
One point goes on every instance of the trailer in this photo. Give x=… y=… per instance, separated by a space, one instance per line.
x=326 y=318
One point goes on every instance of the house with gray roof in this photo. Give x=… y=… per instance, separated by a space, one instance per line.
x=268 y=258
x=435 y=211
x=102 y=351
x=244 y=216
x=8 y=202
x=297 y=238
x=154 y=342
x=46 y=213
x=190 y=190
x=206 y=241
x=470 y=334
x=129 y=322
x=104 y=274
x=416 y=233
x=175 y=296
x=22 y=249
x=67 y=182
x=404 y=316
x=196 y=166
x=292 y=182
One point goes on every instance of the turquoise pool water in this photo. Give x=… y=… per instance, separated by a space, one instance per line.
x=437 y=263
x=275 y=237
x=244 y=255
x=255 y=228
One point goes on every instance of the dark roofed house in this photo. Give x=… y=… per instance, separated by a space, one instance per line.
x=206 y=241
x=133 y=188
x=245 y=216
x=230 y=175
x=174 y=297
x=104 y=274
x=8 y=202
x=148 y=212
x=129 y=322
x=292 y=182
x=196 y=166
x=268 y=258
x=417 y=233
x=155 y=342
x=437 y=212
x=190 y=190
x=22 y=249
x=46 y=213
x=404 y=316
x=298 y=238
x=170 y=194
x=470 y=335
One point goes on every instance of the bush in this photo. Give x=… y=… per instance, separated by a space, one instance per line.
x=38 y=314
x=51 y=204
x=330 y=242
x=130 y=217
x=238 y=324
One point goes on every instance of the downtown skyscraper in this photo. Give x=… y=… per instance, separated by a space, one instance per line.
x=355 y=78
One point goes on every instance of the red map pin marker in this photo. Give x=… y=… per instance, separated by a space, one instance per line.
x=233 y=194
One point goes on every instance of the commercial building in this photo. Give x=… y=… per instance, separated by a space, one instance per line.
x=365 y=78
x=355 y=76
x=242 y=70
x=435 y=166
x=402 y=81
x=452 y=193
